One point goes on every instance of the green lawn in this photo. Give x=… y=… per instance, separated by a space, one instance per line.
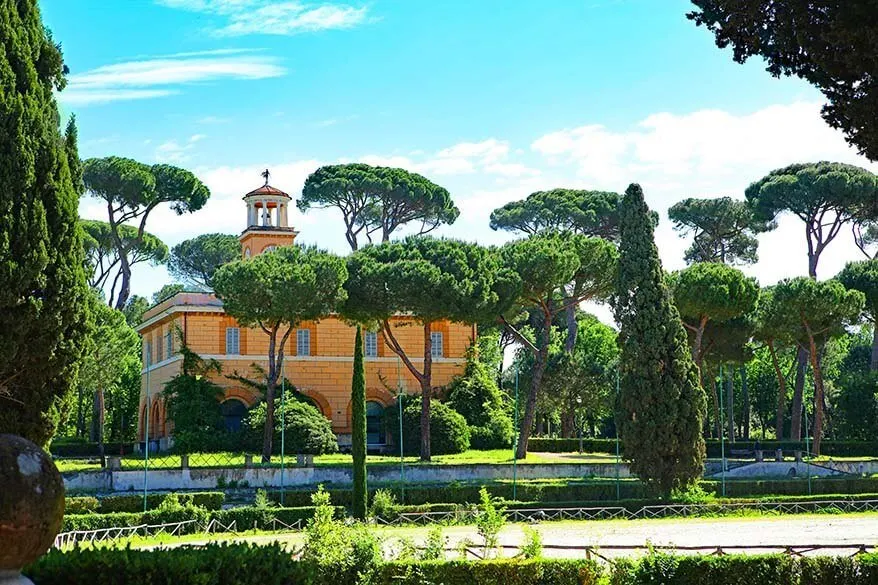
x=472 y=457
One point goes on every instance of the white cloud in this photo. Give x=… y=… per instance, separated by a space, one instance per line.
x=173 y=152
x=488 y=151
x=246 y=17
x=163 y=76
x=511 y=170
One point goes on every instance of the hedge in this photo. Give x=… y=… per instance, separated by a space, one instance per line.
x=89 y=449
x=245 y=564
x=81 y=505
x=714 y=447
x=245 y=518
x=134 y=502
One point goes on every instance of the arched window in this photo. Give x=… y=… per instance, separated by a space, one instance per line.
x=233 y=412
x=375 y=434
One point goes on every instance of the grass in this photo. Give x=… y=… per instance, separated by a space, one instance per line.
x=207 y=460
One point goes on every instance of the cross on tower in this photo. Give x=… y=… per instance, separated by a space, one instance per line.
x=266 y=175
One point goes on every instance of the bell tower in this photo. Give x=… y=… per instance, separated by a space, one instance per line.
x=267 y=220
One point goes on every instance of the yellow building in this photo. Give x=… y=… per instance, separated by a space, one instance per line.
x=318 y=358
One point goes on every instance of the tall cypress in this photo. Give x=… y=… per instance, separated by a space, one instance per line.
x=43 y=316
x=358 y=429
x=661 y=404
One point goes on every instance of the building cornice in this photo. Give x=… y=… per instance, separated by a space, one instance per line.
x=173 y=309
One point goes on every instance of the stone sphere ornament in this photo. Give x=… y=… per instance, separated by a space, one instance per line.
x=31 y=506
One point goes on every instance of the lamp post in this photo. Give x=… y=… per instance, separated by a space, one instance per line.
x=283 y=430
x=722 y=425
x=515 y=441
x=399 y=398
x=146 y=428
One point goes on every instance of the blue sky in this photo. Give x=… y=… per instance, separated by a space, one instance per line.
x=492 y=99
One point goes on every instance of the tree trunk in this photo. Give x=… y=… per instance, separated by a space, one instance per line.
x=730 y=403
x=873 y=362
x=745 y=396
x=125 y=290
x=539 y=368
x=818 y=395
x=798 y=393
x=781 y=394
x=572 y=328
x=426 y=389
x=568 y=424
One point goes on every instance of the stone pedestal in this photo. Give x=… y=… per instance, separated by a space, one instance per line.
x=798 y=456
x=114 y=463
x=759 y=456
x=778 y=455
x=31 y=506
x=248 y=461
x=184 y=461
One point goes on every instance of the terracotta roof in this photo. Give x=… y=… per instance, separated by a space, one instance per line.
x=266 y=190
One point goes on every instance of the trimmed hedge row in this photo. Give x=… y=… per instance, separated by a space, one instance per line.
x=245 y=518
x=599 y=493
x=134 y=502
x=244 y=564
x=89 y=449
x=714 y=447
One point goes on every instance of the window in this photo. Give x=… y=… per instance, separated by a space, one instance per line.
x=169 y=343
x=303 y=342
x=147 y=353
x=438 y=349
x=271 y=248
x=158 y=349
x=233 y=412
x=375 y=424
x=371 y=345
x=233 y=340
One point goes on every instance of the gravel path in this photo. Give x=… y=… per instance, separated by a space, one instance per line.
x=795 y=531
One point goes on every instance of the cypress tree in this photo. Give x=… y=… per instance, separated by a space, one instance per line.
x=43 y=316
x=358 y=429
x=661 y=404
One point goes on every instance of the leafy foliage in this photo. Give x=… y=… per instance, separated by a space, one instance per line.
x=863 y=276
x=724 y=229
x=817 y=311
x=590 y=213
x=377 y=199
x=662 y=405
x=43 y=298
x=832 y=47
x=192 y=403
x=489 y=522
x=166 y=292
x=556 y=272
x=477 y=398
x=196 y=260
x=307 y=430
x=449 y=432
x=430 y=280
x=102 y=257
x=276 y=291
x=132 y=190
x=824 y=195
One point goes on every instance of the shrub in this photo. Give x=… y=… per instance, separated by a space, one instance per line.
x=193 y=405
x=490 y=521
x=495 y=572
x=307 y=430
x=83 y=449
x=80 y=505
x=335 y=552
x=383 y=504
x=134 y=502
x=532 y=547
x=477 y=398
x=449 y=432
x=434 y=545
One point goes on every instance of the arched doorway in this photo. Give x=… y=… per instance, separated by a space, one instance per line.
x=375 y=433
x=233 y=411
